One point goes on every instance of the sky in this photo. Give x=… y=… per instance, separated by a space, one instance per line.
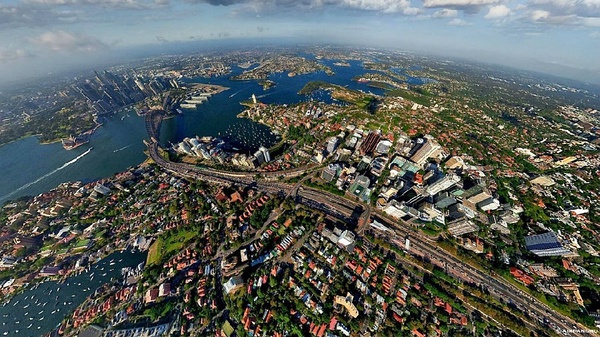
x=561 y=37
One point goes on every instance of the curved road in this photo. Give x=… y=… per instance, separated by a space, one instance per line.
x=420 y=244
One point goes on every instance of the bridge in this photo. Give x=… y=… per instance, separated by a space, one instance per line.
x=347 y=210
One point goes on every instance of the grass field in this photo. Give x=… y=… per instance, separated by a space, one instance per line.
x=164 y=246
x=153 y=252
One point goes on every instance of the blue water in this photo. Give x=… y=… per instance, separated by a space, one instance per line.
x=53 y=301
x=29 y=168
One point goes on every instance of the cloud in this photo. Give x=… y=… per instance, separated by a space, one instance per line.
x=498 y=12
x=386 y=6
x=135 y=4
x=60 y=40
x=585 y=13
x=458 y=22
x=445 y=13
x=10 y=55
x=471 y=6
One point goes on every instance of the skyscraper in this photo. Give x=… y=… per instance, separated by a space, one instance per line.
x=442 y=184
x=265 y=153
x=429 y=149
x=368 y=145
x=332 y=144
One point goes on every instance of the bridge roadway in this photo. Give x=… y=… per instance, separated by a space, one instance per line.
x=420 y=244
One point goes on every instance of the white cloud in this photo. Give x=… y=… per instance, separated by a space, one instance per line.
x=472 y=5
x=10 y=55
x=498 y=12
x=445 y=13
x=63 y=41
x=590 y=22
x=585 y=13
x=386 y=6
x=458 y=22
x=539 y=15
x=131 y=4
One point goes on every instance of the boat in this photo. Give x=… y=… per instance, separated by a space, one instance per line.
x=42 y=318
x=5 y=333
x=30 y=325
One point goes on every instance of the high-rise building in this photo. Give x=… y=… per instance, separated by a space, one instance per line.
x=442 y=184
x=330 y=172
x=370 y=143
x=332 y=144
x=266 y=154
x=429 y=149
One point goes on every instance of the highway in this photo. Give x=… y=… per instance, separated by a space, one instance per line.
x=346 y=210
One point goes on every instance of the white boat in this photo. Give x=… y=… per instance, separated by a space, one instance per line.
x=42 y=318
x=29 y=326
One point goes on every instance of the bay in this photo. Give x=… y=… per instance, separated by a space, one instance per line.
x=29 y=168
x=39 y=309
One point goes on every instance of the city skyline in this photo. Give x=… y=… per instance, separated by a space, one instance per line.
x=552 y=36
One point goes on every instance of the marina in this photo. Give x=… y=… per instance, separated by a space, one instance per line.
x=118 y=143
x=66 y=296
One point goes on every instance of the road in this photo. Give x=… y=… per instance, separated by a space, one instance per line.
x=345 y=209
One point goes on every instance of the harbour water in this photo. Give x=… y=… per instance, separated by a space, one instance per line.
x=29 y=168
x=40 y=308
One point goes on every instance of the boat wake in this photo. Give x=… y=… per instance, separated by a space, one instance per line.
x=265 y=95
x=70 y=162
x=121 y=149
x=237 y=92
